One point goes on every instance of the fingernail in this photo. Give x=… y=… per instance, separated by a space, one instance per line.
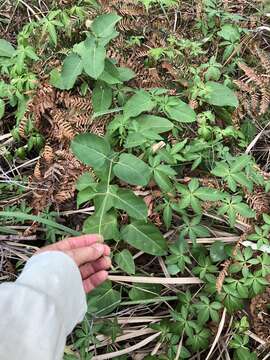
x=100 y=238
x=108 y=260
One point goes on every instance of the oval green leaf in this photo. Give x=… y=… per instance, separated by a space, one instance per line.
x=145 y=237
x=90 y=149
x=132 y=170
x=221 y=95
x=125 y=261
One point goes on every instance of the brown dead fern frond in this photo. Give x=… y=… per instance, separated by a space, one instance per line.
x=227 y=263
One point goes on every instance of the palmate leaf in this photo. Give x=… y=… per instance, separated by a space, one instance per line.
x=132 y=170
x=145 y=237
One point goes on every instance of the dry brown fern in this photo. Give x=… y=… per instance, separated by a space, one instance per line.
x=227 y=263
x=260 y=317
x=254 y=87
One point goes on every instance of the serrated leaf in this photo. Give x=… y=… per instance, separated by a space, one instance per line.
x=6 y=49
x=90 y=149
x=101 y=97
x=221 y=95
x=134 y=206
x=145 y=237
x=132 y=170
x=125 y=261
x=138 y=103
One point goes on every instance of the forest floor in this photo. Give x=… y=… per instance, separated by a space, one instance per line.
x=147 y=122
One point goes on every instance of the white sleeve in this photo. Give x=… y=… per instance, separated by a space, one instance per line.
x=41 y=308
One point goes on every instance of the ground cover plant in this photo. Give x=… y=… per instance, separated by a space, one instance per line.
x=147 y=122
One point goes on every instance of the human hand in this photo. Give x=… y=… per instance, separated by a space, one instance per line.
x=91 y=256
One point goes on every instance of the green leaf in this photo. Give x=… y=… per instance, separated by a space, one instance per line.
x=134 y=139
x=93 y=57
x=2 y=108
x=181 y=112
x=220 y=170
x=132 y=170
x=221 y=95
x=85 y=195
x=208 y=194
x=242 y=179
x=103 y=300
x=101 y=97
x=104 y=25
x=85 y=180
x=105 y=225
x=145 y=237
x=217 y=252
x=72 y=68
x=125 y=261
x=110 y=75
x=22 y=216
x=167 y=216
x=145 y=291
x=154 y=123
x=163 y=181
x=125 y=74
x=241 y=162
x=138 y=103
x=6 y=49
x=244 y=210
x=90 y=149
x=134 y=206
x=229 y=32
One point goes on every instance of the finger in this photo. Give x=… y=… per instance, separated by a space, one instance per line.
x=94 y=280
x=103 y=263
x=87 y=254
x=74 y=243
x=107 y=250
